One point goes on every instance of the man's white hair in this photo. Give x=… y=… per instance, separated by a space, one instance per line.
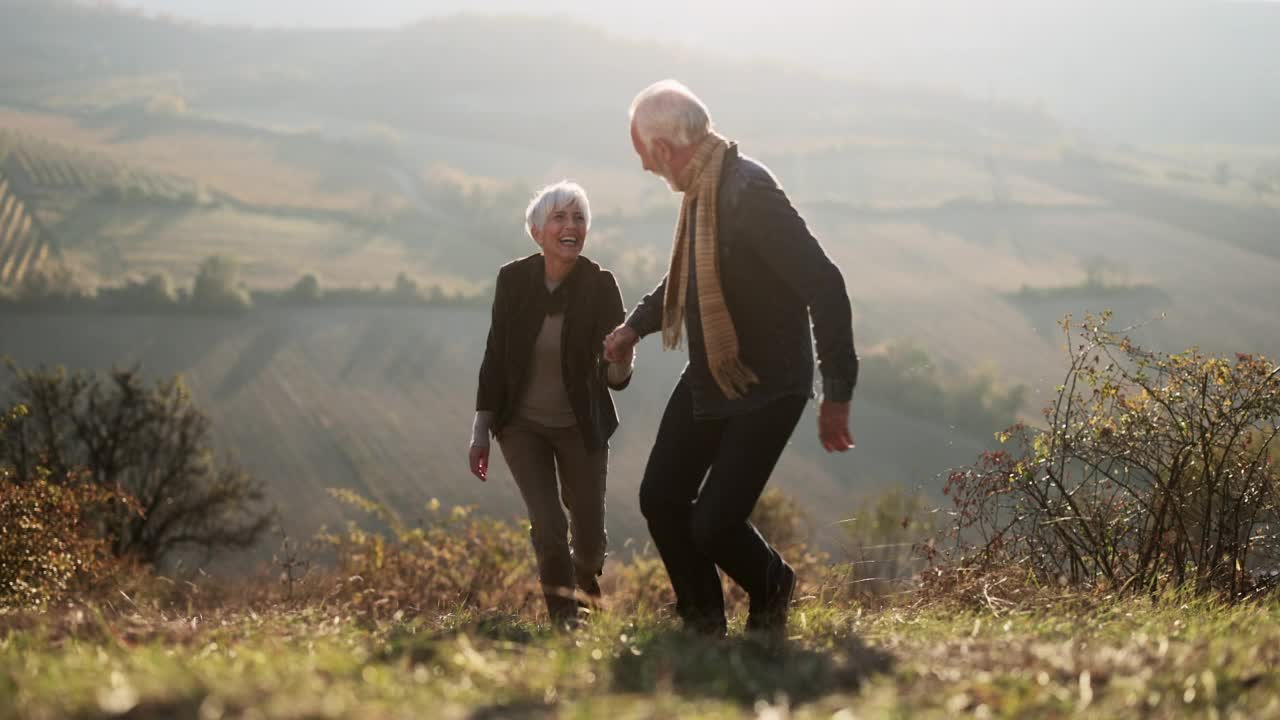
x=669 y=110
x=553 y=197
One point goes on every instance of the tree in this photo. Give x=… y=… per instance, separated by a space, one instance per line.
x=218 y=287
x=153 y=293
x=306 y=289
x=1096 y=269
x=406 y=289
x=53 y=283
x=150 y=443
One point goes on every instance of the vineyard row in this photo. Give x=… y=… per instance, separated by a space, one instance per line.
x=22 y=248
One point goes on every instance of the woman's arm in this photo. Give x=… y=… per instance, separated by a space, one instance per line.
x=492 y=389
x=478 y=455
x=611 y=314
x=491 y=394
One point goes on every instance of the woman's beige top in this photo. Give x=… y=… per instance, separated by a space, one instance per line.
x=545 y=399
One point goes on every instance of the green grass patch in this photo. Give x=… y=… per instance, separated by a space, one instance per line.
x=1101 y=659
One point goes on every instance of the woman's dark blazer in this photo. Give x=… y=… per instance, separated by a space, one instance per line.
x=593 y=308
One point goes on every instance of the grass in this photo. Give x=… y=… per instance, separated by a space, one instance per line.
x=1129 y=658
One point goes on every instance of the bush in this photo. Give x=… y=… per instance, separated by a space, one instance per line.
x=886 y=537
x=152 y=443
x=1155 y=472
x=48 y=539
x=789 y=528
x=782 y=521
x=454 y=560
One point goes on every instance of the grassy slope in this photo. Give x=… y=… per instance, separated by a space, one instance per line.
x=1126 y=659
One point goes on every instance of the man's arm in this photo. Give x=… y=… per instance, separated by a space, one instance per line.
x=646 y=317
x=774 y=229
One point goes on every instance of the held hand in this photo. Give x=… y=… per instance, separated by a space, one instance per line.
x=626 y=356
x=479 y=459
x=833 y=426
x=620 y=344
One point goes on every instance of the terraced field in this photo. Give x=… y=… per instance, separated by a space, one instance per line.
x=22 y=245
x=53 y=170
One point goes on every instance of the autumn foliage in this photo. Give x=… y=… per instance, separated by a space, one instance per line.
x=49 y=538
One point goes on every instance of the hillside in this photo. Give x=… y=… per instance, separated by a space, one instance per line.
x=131 y=146
x=379 y=400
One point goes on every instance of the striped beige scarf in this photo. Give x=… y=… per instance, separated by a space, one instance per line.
x=699 y=181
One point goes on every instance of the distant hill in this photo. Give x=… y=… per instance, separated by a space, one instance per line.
x=1168 y=70
x=495 y=88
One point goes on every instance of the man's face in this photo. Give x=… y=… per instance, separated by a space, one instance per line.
x=564 y=233
x=652 y=160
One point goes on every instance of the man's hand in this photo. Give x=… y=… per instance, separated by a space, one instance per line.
x=620 y=344
x=833 y=426
x=479 y=459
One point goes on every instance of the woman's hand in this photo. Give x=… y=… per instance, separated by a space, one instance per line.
x=479 y=459
x=619 y=345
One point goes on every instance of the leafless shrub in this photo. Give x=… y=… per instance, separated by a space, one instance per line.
x=1154 y=472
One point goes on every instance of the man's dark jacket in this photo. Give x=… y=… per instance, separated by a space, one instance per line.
x=592 y=305
x=775 y=276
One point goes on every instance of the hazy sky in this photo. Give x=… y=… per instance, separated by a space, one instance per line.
x=653 y=15
x=1127 y=65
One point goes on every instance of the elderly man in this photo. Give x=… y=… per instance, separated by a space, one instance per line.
x=745 y=278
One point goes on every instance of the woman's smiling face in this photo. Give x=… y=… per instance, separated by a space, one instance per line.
x=563 y=234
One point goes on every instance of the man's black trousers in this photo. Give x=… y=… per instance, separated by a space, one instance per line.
x=698 y=526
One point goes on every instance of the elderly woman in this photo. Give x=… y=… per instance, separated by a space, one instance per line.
x=544 y=393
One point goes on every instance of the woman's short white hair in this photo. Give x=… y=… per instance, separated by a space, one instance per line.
x=669 y=110
x=553 y=197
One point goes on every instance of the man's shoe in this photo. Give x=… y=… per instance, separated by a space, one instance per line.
x=591 y=588
x=705 y=624
x=588 y=598
x=771 y=615
x=708 y=629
